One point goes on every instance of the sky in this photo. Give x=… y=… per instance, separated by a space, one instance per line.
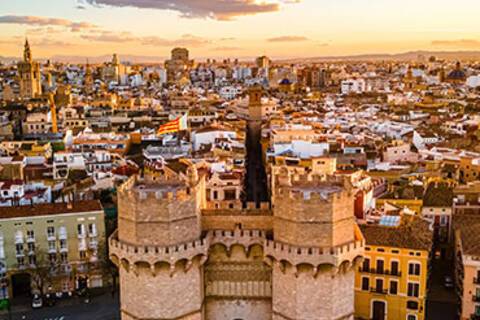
x=237 y=28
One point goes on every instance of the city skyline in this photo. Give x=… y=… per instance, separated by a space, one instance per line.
x=243 y=28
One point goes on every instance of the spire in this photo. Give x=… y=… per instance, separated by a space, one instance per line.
x=27 y=53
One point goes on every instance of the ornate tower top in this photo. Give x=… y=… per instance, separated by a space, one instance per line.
x=255 y=95
x=27 y=53
x=115 y=59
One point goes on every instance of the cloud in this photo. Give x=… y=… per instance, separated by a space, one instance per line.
x=471 y=43
x=215 y=9
x=107 y=36
x=288 y=39
x=40 y=42
x=45 y=22
x=226 y=48
x=45 y=42
x=186 y=40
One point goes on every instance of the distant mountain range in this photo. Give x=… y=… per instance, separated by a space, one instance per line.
x=406 y=56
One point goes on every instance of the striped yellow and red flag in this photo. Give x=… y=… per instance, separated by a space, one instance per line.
x=176 y=125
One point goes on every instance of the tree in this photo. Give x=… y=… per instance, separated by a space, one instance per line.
x=43 y=271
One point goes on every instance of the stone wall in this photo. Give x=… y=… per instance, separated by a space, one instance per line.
x=238 y=309
x=230 y=222
x=158 y=218
x=314 y=222
x=297 y=294
x=165 y=295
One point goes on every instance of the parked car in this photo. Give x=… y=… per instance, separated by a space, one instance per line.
x=448 y=282
x=49 y=300
x=37 y=301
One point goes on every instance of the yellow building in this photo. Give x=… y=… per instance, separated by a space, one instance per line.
x=392 y=281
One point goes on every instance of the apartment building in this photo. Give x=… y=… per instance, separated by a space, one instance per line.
x=50 y=246
x=391 y=284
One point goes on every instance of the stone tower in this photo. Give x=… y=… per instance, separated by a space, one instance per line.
x=255 y=103
x=29 y=73
x=159 y=247
x=316 y=244
x=88 y=79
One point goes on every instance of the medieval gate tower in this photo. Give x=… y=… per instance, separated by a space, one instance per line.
x=292 y=258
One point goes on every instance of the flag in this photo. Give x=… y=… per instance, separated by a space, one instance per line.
x=176 y=125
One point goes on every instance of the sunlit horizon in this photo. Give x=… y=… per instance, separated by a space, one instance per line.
x=247 y=28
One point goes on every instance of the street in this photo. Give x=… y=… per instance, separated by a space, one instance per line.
x=441 y=302
x=104 y=307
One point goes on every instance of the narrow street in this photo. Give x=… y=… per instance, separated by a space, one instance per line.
x=441 y=301
x=256 y=182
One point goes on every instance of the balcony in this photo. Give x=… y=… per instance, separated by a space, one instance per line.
x=62 y=236
x=51 y=237
x=93 y=244
x=30 y=239
x=378 y=290
x=381 y=272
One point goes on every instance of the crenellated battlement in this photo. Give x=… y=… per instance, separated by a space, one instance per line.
x=245 y=238
x=159 y=189
x=159 y=210
x=157 y=254
x=296 y=255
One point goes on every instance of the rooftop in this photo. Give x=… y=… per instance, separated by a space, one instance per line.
x=49 y=209
x=409 y=234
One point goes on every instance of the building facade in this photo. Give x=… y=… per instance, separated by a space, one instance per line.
x=50 y=246
x=392 y=281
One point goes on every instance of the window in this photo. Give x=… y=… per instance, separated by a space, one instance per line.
x=32 y=260
x=414 y=268
x=63 y=244
x=19 y=248
x=30 y=234
x=413 y=289
x=92 y=229
x=50 y=231
x=215 y=195
x=64 y=257
x=380 y=266
x=394 y=267
x=82 y=254
x=31 y=247
x=81 y=229
x=393 y=287
x=230 y=194
x=379 y=285
x=52 y=245
x=20 y=261
x=365 y=284
x=366 y=264
x=411 y=317
x=412 y=305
